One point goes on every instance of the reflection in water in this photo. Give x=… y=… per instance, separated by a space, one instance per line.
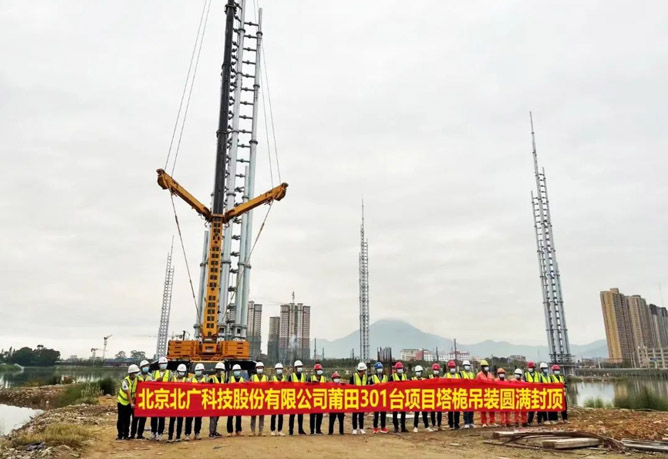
x=579 y=393
x=12 y=417
x=35 y=375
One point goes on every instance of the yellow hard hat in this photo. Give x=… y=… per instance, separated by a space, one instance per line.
x=483 y=363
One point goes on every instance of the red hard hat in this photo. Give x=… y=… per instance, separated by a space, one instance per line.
x=336 y=375
x=555 y=368
x=452 y=364
x=436 y=366
x=399 y=365
x=317 y=367
x=531 y=365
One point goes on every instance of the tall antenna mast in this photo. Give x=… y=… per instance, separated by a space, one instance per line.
x=553 y=303
x=161 y=349
x=364 y=293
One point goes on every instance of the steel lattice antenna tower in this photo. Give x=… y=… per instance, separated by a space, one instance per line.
x=555 y=320
x=161 y=349
x=364 y=293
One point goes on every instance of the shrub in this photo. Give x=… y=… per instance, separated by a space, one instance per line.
x=80 y=393
x=52 y=381
x=108 y=386
x=645 y=399
x=594 y=403
x=56 y=434
x=67 y=380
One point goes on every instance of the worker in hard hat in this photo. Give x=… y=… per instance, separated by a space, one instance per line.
x=259 y=376
x=436 y=418
x=557 y=378
x=138 y=424
x=297 y=376
x=315 y=419
x=485 y=375
x=198 y=378
x=217 y=378
x=419 y=376
x=451 y=373
x=544 y=378
x=520 y=416
x=279 y=376
x=180 y=377
x=398 y=375
x=333 y=417
x=531 y=376
x=126 y=402
x=359 y=379
x=234 y=422
x=504 y=416
x=467 y=373
x=377 y=378
x=162 y=374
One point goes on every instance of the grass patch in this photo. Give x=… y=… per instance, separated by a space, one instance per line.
x=56 y=434
x=80 y=393
x=596 y=403
x=645 y=399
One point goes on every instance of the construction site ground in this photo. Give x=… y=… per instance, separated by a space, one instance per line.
x=100 y=422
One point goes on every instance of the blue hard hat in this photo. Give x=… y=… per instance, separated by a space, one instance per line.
x=378 y=365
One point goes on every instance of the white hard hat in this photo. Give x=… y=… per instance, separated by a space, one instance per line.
x=236 y=367
x=518 y=371
x=133 y=369
x=466 y=362
x=162 y=360
x=419 y=368
x=220 y=366
x=361 y=366
x=199 y=366
x=143 y=363
x=298 y=363
x=182 y=368
x=543 y=365
x=259 y=364
x=279 y=365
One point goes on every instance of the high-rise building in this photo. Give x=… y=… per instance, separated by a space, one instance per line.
x=255 y=329
x=272 y=343
x=617 y=323
x=294 y=332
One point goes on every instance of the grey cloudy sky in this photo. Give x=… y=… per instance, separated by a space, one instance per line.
x=420 y=108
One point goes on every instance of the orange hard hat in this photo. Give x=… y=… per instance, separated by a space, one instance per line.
x=399 y=365
x=555 y=368
x=531 y=365
x=436 y=366
x=501 y=370
x=317 y=367
x=452 y=364
x=336 y=375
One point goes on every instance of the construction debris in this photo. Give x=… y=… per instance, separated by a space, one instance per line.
x=42 y=397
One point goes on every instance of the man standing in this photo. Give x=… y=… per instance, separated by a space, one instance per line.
x=416 y=416
x=126 y=402
x=453 y=416
x=297 y=376
x=199 y=378
x=138 y=424
x=278 y=377
x=520 y=416
x=359 y=379
x=503 y=415
x=234 y=422
x=315 y=419
x=466 y=373
x=379 y=378
x=544 y=378
x=333 y=417
x=485 y=375
x=558 y=378
x=259 y=376
x=531 y=377
x=436 y=418
x=162 y=374
x=217 y=378
x=399 y=376
x=181 y=376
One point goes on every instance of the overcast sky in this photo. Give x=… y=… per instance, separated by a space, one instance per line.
x=420 y=108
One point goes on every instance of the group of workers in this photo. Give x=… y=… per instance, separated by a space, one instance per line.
x=132 y=427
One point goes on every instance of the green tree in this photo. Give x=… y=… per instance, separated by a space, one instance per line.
x=121 y=356
x=137 y=355
x=23 y=356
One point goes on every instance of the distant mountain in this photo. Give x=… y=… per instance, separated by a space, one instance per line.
x=399 y=334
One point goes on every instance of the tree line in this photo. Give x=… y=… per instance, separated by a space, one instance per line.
x=39 y=357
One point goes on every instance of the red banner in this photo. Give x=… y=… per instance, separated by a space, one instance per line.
x=248 y=398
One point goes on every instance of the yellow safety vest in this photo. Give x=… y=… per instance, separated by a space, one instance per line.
x=184 y=379
x=359 y=381
x=256 y=378
x=398 y=377
x=122 y=396
x=558 y=379
x=195 y=380
x=215 y=380
x=452 y=376
x=431 y=376
x=298 y=378
x=314 y=378
x=532 y=377
x=377 y=380
x=166 y=376
x=233 y=379
x=467 y=374
x=147 y=377
x=275 y=378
